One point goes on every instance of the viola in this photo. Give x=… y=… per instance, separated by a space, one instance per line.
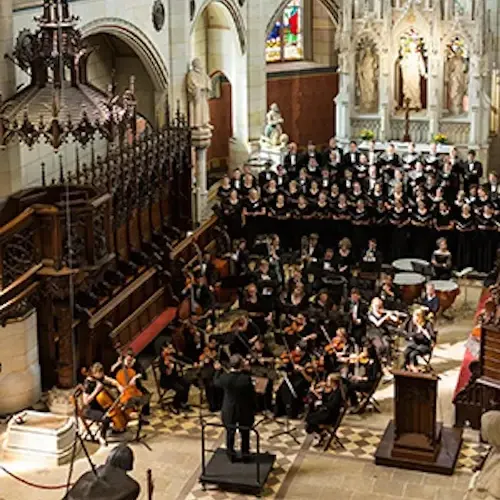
x=208 y=355
x=294 y=357
x=294 y=328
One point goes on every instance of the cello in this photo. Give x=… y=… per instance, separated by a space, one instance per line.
x=110 y=404
x=126 y=376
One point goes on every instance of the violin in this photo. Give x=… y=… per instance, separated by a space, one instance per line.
x=293 y=357
x=338 y=344
x=294 y=328
x=107 y=402
x=208 y=355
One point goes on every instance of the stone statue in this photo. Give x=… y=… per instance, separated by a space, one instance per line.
x=199 y=86
x=273 y=130
x=457 y=83
x=412 y=68
x=367 y=80
x=485 y=485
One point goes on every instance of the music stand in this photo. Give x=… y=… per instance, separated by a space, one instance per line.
x=287 y=431
x=139 y=437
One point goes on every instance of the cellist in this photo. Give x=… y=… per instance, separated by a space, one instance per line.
x=129 y=367
x=92 y=386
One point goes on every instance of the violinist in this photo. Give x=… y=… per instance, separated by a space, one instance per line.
x=421 y=337
x=261 y=360
x=93 y=385
x=130 y=363
x=299 y=331
x=244 y=334
x=326 y=409
x=299 y=374
x=171 y=377
x=357 y=316
x=320 y=307
x=206 y=362
x=366 y=373
x=378 y=328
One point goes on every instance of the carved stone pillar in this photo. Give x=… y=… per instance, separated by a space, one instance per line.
x=201 y=139
x=66 y=362
x=20 y=384
x=433 y=91
x=343 y=101
x=7 y=78
x=384 y=96
x=474 y=100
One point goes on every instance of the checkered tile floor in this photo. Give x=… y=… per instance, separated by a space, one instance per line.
x=361 y=443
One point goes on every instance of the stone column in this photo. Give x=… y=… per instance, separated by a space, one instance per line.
x=342 y=101
x=7 y=75
x=474 y=100
x=384 y=95
x=20 y=384
x=201 y=139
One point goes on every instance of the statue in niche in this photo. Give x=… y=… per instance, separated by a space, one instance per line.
x=457 y=77
x=367 y=73
x=412 y=66
x=273 y=131
x=199 y=87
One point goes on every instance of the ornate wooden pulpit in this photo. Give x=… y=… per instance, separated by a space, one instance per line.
x=414 y=439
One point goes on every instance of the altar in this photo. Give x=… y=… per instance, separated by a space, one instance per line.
x=417 y=70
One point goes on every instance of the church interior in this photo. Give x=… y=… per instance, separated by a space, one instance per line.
x=249 y=248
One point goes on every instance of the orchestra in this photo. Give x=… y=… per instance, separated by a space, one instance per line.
x=318 y=322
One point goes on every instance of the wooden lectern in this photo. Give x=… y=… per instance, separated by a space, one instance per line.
x=414 y=439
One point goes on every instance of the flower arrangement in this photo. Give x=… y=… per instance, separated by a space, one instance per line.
x=367 y=134
x=440 y=138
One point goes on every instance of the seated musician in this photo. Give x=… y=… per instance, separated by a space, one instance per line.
x=129 y=361
x=206 y=361
x=390 y=294
x=92 y=386
x=328 y=262
x=366 y=370
x=441 y=260
x=208 y=270
x=239 y=257
x=245 y=333
x=372 y=257
x=431 y=300
x=327 y=406
x=298 y=332
x=171 y=377
x=200 y=293
x=379 y=321
x=320 y=307
x=261 y=361
x=295 y=385
x=421 y=339
x=257 y=309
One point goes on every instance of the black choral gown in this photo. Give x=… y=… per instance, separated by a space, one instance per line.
x=466 y=241
x=398 y=221
x=232 y=218
x=421 y=234
x=486 y=242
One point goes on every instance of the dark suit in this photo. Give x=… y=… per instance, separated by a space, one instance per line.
x=291 y=163
x=348 y=158
x=238 y=407
x=472 y=174
x=357 y=329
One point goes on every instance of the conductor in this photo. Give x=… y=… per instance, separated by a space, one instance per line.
x=238 y=406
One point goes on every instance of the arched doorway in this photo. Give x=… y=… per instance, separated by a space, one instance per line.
x=218 y=43
x=301 y=67
x=110 y=60
x=222 y=120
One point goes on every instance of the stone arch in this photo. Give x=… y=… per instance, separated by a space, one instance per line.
x=138 y=41
x=330 y=5
x=233 y=12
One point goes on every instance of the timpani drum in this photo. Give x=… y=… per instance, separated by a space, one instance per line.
x=411 y=285
x=447 y=291
x=406 y=266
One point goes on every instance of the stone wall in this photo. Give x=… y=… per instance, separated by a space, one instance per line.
x=20 y=385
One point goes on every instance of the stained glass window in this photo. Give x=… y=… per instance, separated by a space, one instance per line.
x=285 y=41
